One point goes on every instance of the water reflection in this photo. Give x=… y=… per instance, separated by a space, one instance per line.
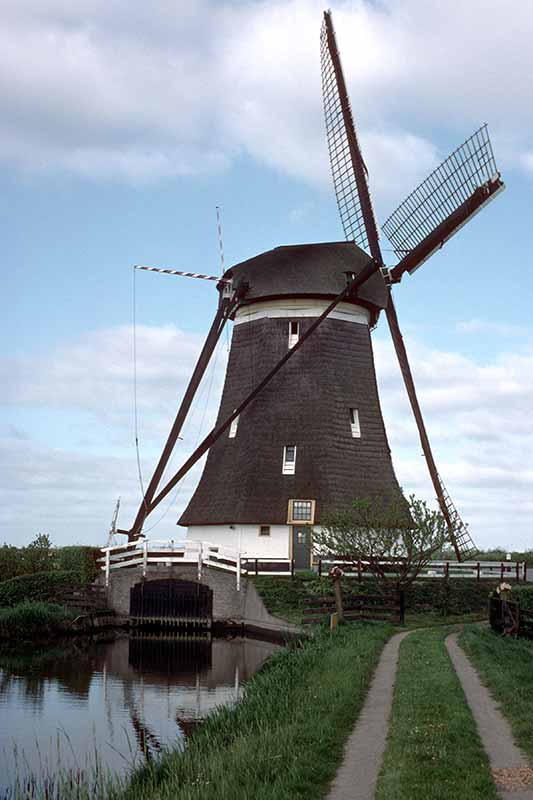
x=116 y=701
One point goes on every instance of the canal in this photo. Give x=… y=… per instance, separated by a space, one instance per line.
x=113 y=702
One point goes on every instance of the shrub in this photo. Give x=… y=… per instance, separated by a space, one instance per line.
x=33 y=617
x=79 y=559
x=524 y=595
x=40 y=586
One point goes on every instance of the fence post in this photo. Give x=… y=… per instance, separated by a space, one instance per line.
x=359 y=571
x=238 y=572
x=525 y=571
x=478 y=571
x=145 y=556
x=447 y=570
x=107 y=565
x=292 y=567
x=319 y=567
x=517 y=572
x=501 y=571
x=402 y=606
x=256 y=566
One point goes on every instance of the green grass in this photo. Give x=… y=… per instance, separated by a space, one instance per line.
x=433 y=750
x=33 y=618
x=505 y=666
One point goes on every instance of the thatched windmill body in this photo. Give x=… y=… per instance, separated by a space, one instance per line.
x=299 y=430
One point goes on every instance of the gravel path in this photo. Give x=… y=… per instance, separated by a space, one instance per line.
x=357 y=776
x=510 y=766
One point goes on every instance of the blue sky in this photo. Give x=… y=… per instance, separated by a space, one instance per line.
x=122 y=132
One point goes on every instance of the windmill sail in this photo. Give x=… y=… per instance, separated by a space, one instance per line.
x=357 y=216
x=435 y=210
x=347 y=166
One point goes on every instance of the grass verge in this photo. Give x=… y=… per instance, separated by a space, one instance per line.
x=32 y=618
x=433 y=750
x=505 y=666
x=286 y=738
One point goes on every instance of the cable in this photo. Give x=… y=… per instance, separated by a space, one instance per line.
x=135 y=412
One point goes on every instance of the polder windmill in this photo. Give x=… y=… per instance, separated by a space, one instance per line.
x=299 y=430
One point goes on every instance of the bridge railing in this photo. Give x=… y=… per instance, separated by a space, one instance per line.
x=145 y=552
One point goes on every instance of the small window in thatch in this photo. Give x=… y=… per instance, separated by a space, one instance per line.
x=354 y=423
x=264 y=530
x=289 y=459
x=294 y=333
x=233 y=428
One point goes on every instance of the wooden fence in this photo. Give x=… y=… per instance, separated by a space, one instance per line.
x=90 y=598
x=506 y=615
x=383 y=607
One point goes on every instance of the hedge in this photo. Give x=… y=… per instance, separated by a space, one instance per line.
x=31 y=618
x=79 y=559
x=39 y=586
x=435 y=595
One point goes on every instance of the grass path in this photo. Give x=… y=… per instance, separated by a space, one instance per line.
x=434 y=751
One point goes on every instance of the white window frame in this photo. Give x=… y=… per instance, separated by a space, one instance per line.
x=289 y=466
x=293 y=337
x=233 y=428
x=290 y=516
x=355 y=425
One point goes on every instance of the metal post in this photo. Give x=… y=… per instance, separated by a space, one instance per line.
x=107 y=566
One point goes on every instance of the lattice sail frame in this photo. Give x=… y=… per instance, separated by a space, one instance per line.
x=453 y=183
x=340 y=153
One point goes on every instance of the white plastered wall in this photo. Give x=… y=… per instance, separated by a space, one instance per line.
x=245 y=538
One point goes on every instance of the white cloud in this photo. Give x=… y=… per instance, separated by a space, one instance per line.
x=481 y=430
x=166 y=89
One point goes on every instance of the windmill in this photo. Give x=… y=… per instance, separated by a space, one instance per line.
x=299 y=429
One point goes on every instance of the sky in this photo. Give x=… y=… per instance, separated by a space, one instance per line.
x=124 y=126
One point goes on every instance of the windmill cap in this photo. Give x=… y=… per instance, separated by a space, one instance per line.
x=308 y=270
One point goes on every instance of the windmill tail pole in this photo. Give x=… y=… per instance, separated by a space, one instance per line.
x=371 y=268
x=403 y=360
x=224 y=311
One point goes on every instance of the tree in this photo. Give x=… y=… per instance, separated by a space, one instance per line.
x=395 y=542
x=38 y=555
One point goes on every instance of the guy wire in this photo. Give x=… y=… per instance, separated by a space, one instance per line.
x=135 y=412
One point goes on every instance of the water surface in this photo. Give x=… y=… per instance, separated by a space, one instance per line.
x=116 y=702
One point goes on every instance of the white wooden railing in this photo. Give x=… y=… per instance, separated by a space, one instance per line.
x=145 y=552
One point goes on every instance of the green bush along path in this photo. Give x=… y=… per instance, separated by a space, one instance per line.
x=434 y=751
x=505 y=666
